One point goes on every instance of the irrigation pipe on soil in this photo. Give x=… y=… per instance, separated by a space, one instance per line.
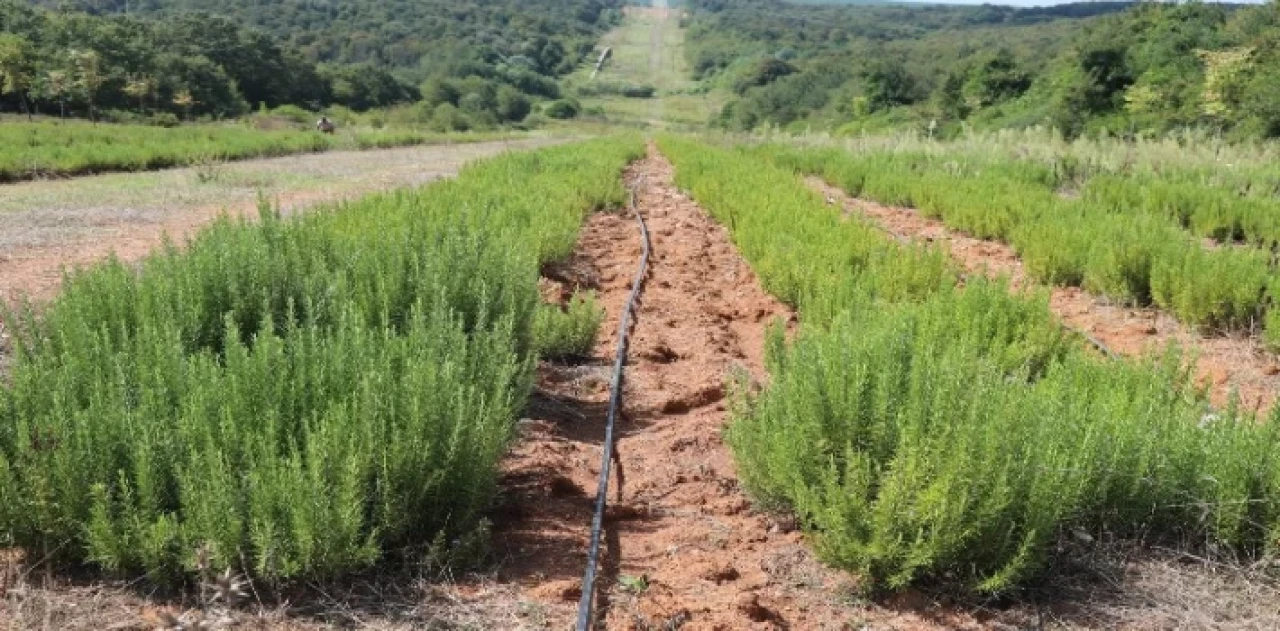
x=607 y=453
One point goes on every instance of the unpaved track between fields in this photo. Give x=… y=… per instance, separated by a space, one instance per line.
x=1225 y=363
x=684 y=548
x=46 y=226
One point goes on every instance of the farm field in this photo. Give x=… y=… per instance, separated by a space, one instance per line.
x=865 y=381
x=706 y=321
x=1142 y=251
x=46 y=225
x=984 y=380
x=1194 y=241
x=68 y=148
x=291 y=296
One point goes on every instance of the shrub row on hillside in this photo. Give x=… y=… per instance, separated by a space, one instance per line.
x=300 y=396
x=1122 y=238
x=925 y=431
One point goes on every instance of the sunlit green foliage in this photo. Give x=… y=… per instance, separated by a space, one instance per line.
x=165 y=59
x=1093 y=68
x=304 y=395
x=562 y=332
x=1123 y=237
x=38 y=149
x=955 y=434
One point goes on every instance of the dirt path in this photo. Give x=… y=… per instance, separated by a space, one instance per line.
x=656 y=39
x=684 y=548
x=48 y=225
x=1225 y=363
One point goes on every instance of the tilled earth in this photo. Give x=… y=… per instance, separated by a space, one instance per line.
x=683 y=546
x=1226 y=363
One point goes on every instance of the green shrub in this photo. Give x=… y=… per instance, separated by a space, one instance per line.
x=610 y=88
x=639 y=91
x=1213 y=290
x=164 y=119
x=1054 y=250
x=1123 y=231
x=937 y=433
x=913 y=454
x=1122 y=250
x=1271 y=334
x=562 y=109
x=563 y=332
x=296 y=114
x=302 y=396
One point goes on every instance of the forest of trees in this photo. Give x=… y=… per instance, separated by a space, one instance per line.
x=469 y=63
x=1084 y=68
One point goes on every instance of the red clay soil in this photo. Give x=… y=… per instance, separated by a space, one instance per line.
x=684 y=548
x=1225 y=363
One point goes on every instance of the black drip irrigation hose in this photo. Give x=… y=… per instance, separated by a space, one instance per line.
x=608 y=452
x=1097 y=344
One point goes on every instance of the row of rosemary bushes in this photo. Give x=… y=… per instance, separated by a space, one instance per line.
x=1129 y=237
x=300 y=397
x=43 y=148
x=924 y=431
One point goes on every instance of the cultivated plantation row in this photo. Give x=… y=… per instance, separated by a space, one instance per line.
x=1195 y=240
x=305 y=397
x=77 y=148
x=922 y=430
x=298 y=397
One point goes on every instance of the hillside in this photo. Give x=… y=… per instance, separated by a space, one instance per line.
x=1082 y=68
x=416 y=36
x=221 y=59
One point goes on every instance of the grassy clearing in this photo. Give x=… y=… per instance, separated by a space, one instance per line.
x=647 y=51
x=64 y=148
x=298 y=397
x=1126 y=232
x=924 y=432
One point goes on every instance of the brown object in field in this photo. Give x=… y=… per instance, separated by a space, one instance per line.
x=325 y=126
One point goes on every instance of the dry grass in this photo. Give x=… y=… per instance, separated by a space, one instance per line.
x=1115 y=585
x=33 y=597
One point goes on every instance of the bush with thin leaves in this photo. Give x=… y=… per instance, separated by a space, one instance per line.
x=299 y=396
x=1127 y=236
x=568 y=331
x=956 y=433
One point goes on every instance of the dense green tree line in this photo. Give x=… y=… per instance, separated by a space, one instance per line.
x=1083 y=68
x=480 y=63
x=418 y=36
x=1157 y=67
